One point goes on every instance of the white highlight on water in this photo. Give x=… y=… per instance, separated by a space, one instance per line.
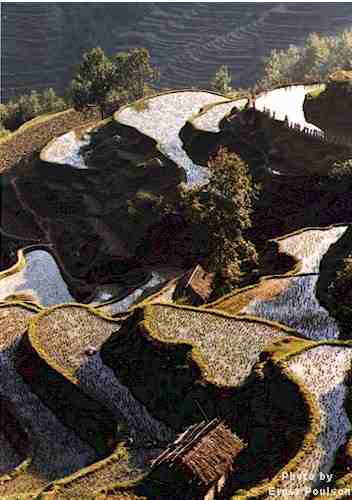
x=163 y=119
x=297 y=305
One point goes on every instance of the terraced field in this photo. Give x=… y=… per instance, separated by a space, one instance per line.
x=65 y=150
x=188 y=43
x=55 y=450
x=287 y=103
x=228 y=346
x=162 y=118
x=275 y=299
x=209 y=119
x=323 y=369
x=42 y=278
x=138 y=295
x=277 y=321
x=70 y=338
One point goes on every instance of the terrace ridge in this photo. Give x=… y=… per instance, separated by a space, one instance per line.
x=277 y=248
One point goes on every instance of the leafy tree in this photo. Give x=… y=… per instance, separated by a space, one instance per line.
x=3 y=131
x=314 y=60
x=16 y=112
x=51 y=103
x=134 y=72
x=94 y=80
x=100 y=80
x=222 y=81
x=342 y=282
x=221 y=211
x=278 y=67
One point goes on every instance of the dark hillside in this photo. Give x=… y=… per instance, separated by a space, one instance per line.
x=41 y=43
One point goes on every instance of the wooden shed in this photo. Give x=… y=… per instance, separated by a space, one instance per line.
x=198 y=463
x=196 y=285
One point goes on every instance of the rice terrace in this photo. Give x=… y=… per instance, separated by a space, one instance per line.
x=176 y=252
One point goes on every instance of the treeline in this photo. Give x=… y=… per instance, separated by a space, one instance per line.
x=16 y=112
x=126 y=76
x=314 y=61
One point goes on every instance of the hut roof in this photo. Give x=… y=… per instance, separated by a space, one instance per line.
x=200 y=281
x=205 y=451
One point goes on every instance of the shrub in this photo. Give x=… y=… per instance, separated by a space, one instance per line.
x=15 y=113
x=3 y=132
x=314 y=61
x=341 y=285
x=101 y=80
x=222 y=81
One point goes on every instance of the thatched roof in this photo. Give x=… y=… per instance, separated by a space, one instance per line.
x=205 y=451
x=200 y=281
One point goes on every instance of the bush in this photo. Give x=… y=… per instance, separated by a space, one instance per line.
x=314 y=61
x=342 y=283
x=15 y=113
x=3 y=132
x=101 y=81
x=222 y=81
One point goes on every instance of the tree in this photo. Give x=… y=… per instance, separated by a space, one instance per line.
x=51 y=103
x=133 y=72
x=222 y=81
x=3 y=131
x=100 y=80
x=94 y=80
x=221 y=212
x=341 y=286
x=278 y=67
x=313 y=61
x=28 y=106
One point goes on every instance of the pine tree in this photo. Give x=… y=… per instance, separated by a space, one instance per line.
x=93 y=81
x=222 y=81
x=221 y=213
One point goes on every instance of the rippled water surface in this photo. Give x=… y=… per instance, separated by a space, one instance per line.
x=297 y=305
x=287 y=103
x=42 y=278
x=66 y=150
x=209 y=121
x=163 y=118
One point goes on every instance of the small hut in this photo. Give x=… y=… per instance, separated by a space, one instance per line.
x=198 y=463
x=196 y=285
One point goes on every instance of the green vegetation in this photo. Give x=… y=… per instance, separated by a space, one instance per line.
x=15 y=113
x=316 y=93
x=133 y=73
x=222 y=81
x=166 y=355
x=3 y=132
x=93 y=83
x=341 y=286
x=221 y=212
x=314 y=61
x=334 y=286
x=101 y=81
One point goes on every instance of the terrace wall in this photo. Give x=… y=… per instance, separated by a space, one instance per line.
x=12 y=428
x=94 y=423
x=300 y=151
x=274 y=386
x=160 y=375
x=281 y=383
x=330 y=110
x=297 y=151
x=34 y=135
